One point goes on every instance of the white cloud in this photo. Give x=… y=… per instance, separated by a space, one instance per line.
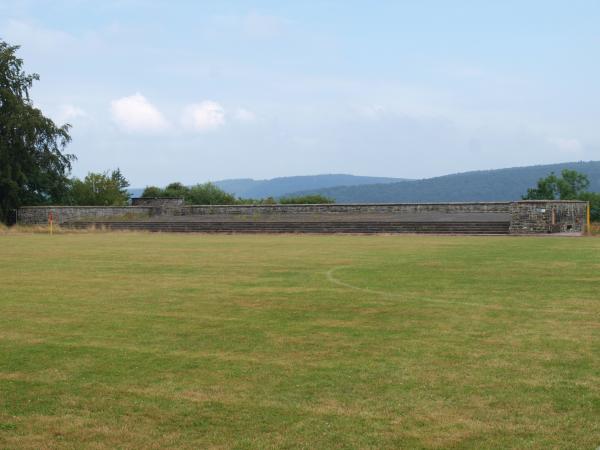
x=67 y=113
x=204 y=116
x=567 y=145
x=136 y=114
x=243 y=115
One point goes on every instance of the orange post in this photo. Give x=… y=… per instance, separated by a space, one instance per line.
x=50 y=220
x=589 y=222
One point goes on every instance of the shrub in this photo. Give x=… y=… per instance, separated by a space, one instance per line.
x=176 y=189
x=208 y=194
x=152 y=192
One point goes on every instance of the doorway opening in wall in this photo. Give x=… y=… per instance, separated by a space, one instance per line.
x=12 y=217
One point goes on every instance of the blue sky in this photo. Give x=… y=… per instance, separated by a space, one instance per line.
x=206 y=90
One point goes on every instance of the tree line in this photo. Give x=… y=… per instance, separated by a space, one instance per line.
x=210 y=194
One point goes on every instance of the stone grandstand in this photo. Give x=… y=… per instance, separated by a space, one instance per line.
x=171 y=215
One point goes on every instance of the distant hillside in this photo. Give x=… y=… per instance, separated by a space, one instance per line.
x=276 y=187
x=484 y=185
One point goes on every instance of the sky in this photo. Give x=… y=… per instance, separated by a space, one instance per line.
x=194 y=91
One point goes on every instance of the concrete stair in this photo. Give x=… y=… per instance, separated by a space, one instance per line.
x=358 y=227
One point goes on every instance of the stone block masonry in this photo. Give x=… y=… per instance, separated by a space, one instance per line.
x=348 y=208
x=38 y=215
x=162 y=202
x=31 y=215
x=542 y=216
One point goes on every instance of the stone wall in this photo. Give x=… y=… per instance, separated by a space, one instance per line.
x=36 y=215
x=542 y=216
x=39 y=214
x=526 y=217
x=496 y=207
x=163 y=202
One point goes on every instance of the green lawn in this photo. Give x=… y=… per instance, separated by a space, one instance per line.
x=133 y=340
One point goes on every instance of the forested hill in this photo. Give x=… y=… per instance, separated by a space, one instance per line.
x=484 y=185
x=276 y=187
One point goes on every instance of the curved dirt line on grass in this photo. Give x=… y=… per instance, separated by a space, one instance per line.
x=331 y=278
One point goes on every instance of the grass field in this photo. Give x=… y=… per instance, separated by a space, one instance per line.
x=133 y=340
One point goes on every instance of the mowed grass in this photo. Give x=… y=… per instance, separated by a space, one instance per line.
x=134 y=340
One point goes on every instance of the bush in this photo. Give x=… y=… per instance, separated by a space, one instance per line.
x=152 y=192
x=208 y=194
x=176 y=189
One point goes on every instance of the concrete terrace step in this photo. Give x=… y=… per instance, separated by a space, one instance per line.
x=370 y=227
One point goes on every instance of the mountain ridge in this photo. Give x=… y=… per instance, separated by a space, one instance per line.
x=505 y=184
x=279 y=186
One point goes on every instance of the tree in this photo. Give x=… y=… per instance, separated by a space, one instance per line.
x=176 y=189
x=200 y=194
x=33 y=168
x=208 y=194
x=547 y=189
x=100 y=189
x=152 y=192
x=570 y=186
